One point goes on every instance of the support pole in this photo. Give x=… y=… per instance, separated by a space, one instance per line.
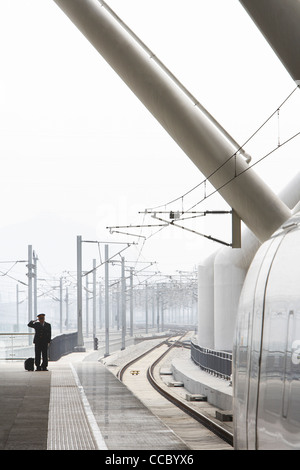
x=94 y=298
x=80 y=345
x=106 y=304
x=157 y=313
x=17 y=300
x=131 y=301
x=236 y=230
x=67 y=308
x=35 y=275
x=118 y=298
x=60 y=304
x=162 y=310
x=153 y=306
x=146 y=305
x=87 y=305
x=30 y=266
x=123 y=284
x=100 y=306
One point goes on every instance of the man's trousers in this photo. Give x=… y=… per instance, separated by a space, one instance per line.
x=41 y=349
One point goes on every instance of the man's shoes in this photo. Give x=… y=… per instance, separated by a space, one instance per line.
x=38 y=368
x=45 y=368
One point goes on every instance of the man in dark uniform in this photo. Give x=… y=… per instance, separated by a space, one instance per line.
x=42 y=339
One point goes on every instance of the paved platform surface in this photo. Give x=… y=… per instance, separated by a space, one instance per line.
x=77 y=405
x=24 y=406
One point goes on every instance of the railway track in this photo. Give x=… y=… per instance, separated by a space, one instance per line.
x=209 y=423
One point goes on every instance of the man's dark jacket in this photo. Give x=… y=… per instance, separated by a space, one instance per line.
x=42 y=332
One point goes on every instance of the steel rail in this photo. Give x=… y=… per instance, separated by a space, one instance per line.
x=200 y=417
x=214 y=427
x=124 y=368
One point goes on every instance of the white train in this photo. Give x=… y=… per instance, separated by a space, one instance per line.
x=267 y=346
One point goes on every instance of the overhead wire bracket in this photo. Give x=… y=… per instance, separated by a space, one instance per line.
x=193 y=231
x=176 y=216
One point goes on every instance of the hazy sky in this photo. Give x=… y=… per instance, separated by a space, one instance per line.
x=79 y=150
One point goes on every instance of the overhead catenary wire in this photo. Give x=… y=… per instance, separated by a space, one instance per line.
x=11 y=277
x=107 y=261
x=127 y=233
x=247 y=169
x=204 y=182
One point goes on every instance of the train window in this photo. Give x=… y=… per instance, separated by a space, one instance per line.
x=241 y=355
x=294 y=404
x=292 y=392
x=274 y=361
x=288 y=364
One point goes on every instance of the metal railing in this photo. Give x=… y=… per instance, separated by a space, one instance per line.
x=62 y=345
x=16 y=346
x=218 y=363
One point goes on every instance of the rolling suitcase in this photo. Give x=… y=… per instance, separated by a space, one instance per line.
x=29 y=364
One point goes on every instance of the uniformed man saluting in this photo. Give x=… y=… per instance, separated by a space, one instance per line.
x=42 y=339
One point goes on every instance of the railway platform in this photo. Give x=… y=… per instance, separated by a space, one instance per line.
x=75 y=406
x=79 y=404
